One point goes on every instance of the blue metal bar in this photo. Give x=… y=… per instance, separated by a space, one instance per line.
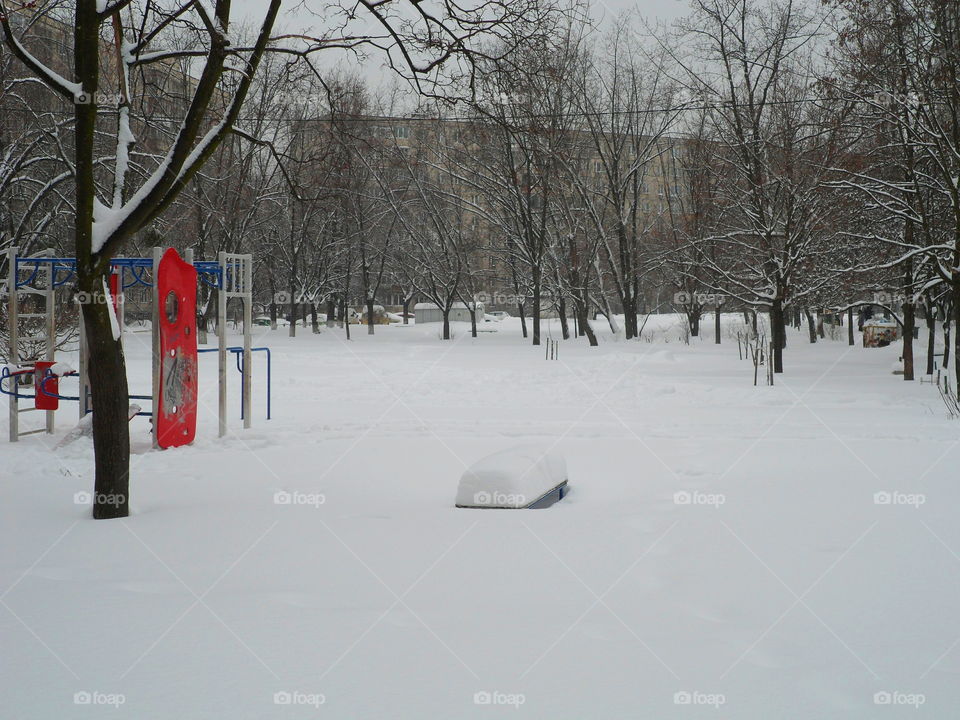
x=58 y=283
x=48 y=393
x=33 y=275
x=136 y=272
x=238 y=351
x=5 y=374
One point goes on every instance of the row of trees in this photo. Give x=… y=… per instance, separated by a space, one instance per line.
x=782 y=156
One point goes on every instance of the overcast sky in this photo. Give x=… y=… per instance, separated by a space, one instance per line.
x=296 y=19
x=662 y=9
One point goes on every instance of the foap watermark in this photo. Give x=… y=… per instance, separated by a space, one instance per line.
x=296 y=697
x=685 y=497
x=891 y=99
x=95 y=697
x=495 y=697
x=98 y=98
x=896 y=697
x=96 y=297
x=282 y=497
x=691 y=298
x=506 y=298
x=894 y=497
x=896 y=299
x=696 y=697
x=285 y=298
x=498 y=498
x=83 y=497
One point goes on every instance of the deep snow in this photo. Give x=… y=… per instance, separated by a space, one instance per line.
x=784 y=552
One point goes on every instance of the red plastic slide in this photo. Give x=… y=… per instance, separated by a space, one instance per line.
x=176 y=419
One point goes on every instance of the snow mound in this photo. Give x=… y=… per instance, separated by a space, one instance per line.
x=518 y=477
x=60 y=369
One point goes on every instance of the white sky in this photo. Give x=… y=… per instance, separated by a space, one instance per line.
x=661 y=9
x=295 y=18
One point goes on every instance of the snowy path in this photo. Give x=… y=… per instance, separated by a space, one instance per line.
x=782 y=589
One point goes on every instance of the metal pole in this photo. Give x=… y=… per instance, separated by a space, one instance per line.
x=14 y=354
x=155 y=403
x=222 y=349
x=246 y=263
x=83 y=371
x=51 y=345
x=121 y=304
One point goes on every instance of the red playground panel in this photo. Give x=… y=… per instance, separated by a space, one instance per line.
x=41 y=401
x=115 y=290
x=175 y=422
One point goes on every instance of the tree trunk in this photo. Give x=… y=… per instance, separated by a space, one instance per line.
x=473 y=320
x=811 y=328
x=273 y=316
x=956 y=334
x=849 y=326
x=778 y=331
x=629 y=302
x=536 y=308
x=369 y=316
x=406 y=310
x=580 y=306
x=562 y=309
x=110 y=401
x=331 y=313
x=523 y=319
x=946 y=342
x=694 y=322
x=820 y=331
x=716 y=325
x=314 y=322
x=446 y=323
x=909 y=315
x=931 y=337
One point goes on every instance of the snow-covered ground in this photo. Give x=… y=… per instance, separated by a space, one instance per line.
x=774 y=552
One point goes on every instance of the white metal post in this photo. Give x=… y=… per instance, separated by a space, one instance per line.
x=51 y=345
x=247 y=273
x=222 y=337
x=155 y=407
x=84 y=372
x=14 y=354
x=121 y=304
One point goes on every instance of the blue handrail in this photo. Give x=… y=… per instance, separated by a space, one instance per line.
x=238 y=351
x=5 y=374
x=137 y=268
x=49 y=375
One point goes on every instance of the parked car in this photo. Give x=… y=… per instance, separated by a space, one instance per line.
x=498 y=315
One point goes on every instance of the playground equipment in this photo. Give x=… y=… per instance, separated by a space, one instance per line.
x=525 y=476
x=174 y=393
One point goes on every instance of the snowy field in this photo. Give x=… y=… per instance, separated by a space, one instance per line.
x=725 y=550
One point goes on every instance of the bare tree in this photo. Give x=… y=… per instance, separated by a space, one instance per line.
x=110 y=207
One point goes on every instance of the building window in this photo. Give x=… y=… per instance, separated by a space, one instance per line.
x=402 y=132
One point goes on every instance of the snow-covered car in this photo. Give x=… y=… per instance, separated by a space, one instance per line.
x=497 y=315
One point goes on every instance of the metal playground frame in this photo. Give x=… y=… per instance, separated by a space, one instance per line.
x=41 y=274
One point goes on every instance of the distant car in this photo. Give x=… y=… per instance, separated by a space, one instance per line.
x=499 y=315
x=264 y=321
